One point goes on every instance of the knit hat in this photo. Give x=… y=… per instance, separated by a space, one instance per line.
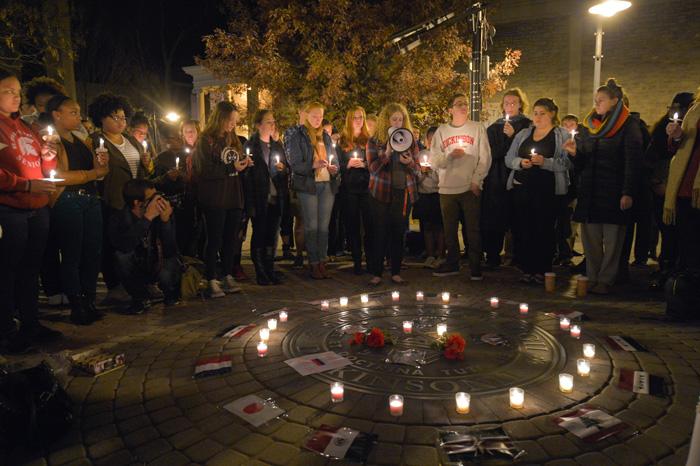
x=684 y=99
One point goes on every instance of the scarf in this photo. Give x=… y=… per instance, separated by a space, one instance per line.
x=610 y=125
x=679 y=164
x=322 y=174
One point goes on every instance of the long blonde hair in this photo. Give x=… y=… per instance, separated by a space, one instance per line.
x=383 y=123
x=348 y=137
x=314 y=133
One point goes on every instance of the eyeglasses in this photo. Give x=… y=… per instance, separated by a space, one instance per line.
x=117 y=118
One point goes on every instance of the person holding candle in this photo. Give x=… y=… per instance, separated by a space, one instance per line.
x=37 y=93
x=462 y=155
x=352 y=152
x=539 y=167
x=392 y=187
x=315 y=170
x=76 y=214
x=218 y=159
x=496 y=209
x=608 y=158
x=24 y=216
x=139 y=128
x=110 y=113
x=266 y=194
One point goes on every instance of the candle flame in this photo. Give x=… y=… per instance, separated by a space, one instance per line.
x=675 y=116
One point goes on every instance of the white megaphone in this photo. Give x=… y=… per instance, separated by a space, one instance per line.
x=400 y=139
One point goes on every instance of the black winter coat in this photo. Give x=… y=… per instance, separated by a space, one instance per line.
x=494 y=200
x=256 y=179
x=608 y=168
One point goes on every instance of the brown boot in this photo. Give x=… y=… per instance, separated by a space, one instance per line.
x=316 y=272
x=322 y=269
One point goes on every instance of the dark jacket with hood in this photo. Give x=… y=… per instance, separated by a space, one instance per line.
x=256 y=179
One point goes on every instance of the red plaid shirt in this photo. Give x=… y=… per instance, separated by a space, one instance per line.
x=380 y=171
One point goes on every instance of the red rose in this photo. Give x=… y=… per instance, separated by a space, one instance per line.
x=454 y=347
x=375 y=339
x=358 y=339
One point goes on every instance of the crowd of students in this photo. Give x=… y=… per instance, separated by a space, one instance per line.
x=84 y=196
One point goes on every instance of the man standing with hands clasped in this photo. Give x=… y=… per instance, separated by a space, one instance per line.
x=461 y=154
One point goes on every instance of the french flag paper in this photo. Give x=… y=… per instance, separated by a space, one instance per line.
x=641 y=382
x=623 y=343
x=590 y=425
x=236 y=331
x=212 y=366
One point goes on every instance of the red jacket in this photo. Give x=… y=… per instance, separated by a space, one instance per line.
x=20 y=161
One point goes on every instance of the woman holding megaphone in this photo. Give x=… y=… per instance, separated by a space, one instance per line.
x=392 y=157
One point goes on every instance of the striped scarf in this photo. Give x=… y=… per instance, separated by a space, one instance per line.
x=610 y=125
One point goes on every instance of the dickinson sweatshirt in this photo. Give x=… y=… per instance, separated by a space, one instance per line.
x=456 y=175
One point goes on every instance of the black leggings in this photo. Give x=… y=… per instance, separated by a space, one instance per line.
x=535 y=213
x=223 y=226
x=389 y=226
x=357 y=214
x=266 y=224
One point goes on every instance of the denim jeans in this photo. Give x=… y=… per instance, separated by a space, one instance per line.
x=24 y=234
x=316 y=210
x=76 y=222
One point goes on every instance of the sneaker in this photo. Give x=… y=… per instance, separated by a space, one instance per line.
x=298 y=262
x=438 y=262
x=445 y=270
x=41 y=333
x=476 y=277
x=154 y=292
x=429 y=263
x=57 y=300
x=230 y=286
x=215 y=290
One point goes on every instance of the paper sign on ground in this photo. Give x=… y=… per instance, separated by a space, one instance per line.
x=254 y=410
x=590 y=425
x=319 y=362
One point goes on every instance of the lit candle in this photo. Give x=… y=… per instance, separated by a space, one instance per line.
x=575 y=331
x=441 y=329
x=589 y=350
x=445 y=296
x=532 y=152
x=247 y=151
x=584 y=367
x=262 y=349
x=325 y=305
x=425 y=160
x=354 y=154
x=333 y=147
x=396 y=405
x=517 y=397
x=524 y=308
x=272 y=324
x=364 y=298
x=144 y=143
x=675 y=118
x=507 y=118
x=177 y=163
x=264 y=334
x=277 y=159
x=566 y=383
x=337 y=392
x=52 y=175
x=494 y=302
x=343 y=301
x=283 y=316
x=49 y=129
x=330 y=159
x=102 y=144
x=573 y=133
x=462 y=399
x=420 y=296
x=395 y=295
x=564 y=323
x=407 y=326
x=187 y=150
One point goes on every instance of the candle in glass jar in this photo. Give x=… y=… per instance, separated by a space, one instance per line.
x=564 y=323
x=441 y=329
x=343 y=301
x=583 y=367
x=494 y=302
x=517 y=397
x=264 y=334
x=524 y=308
x=462 y=401
x=575 y=331
x=272 y=324
x=262 y=349
x=420 y=296
x=396 y=405
x=395 y=295
x=589 y=350
x=283 y=316
x=407 y=326
x=566 y=383
x=445 y=296
x=337 y=392
x=325 y=305
x=364 y=298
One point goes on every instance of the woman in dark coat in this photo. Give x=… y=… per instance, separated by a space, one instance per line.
x=608 y=159
x=266 y=194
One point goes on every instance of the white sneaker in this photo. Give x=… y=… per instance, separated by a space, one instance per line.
x=429 y=263
x=215 y=290
x=438 y=262
x=230 y=286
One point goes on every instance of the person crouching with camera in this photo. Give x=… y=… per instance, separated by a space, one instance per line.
x=143 y=236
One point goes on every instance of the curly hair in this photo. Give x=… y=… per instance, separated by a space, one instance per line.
x=105 y=105
x=139 y=119
x=42 y=85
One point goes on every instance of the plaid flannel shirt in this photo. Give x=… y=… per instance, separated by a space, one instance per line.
x=380 y=171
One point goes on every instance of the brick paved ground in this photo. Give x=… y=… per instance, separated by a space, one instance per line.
x=153 y=412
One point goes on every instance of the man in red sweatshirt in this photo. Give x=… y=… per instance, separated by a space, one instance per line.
x=26 y=161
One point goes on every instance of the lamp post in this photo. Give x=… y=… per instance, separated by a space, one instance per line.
x=606 y=9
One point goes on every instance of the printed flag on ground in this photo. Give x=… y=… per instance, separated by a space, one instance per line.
x=623 y=343
x=590 y=425
x=341 y=443
x=254 y=409
x=212 y=366
x=236 y=331
x=319 y=362
x=641 y=382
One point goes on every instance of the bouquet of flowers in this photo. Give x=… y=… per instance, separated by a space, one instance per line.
x=452 y=346
x=375 y=338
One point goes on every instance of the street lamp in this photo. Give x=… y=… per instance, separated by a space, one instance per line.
x=606 y=9
x=172 y=117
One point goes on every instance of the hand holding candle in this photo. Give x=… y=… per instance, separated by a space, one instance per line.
x=177 y=163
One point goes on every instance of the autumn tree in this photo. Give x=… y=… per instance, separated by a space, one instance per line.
x=336 y=51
